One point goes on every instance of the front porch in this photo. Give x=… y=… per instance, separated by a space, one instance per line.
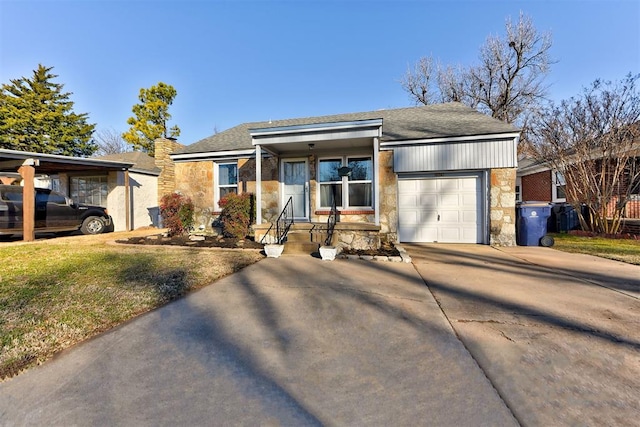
x=307 y=237
x=319 y=167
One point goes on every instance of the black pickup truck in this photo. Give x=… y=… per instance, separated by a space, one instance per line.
x=55 y=213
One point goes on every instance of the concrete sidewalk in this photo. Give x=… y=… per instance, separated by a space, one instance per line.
x=289 y=341
x=556 y=333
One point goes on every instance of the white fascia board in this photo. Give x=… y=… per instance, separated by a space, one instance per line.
x=390 y=145
x=57 y=158
x=212 y=155
x=531 y=169
x=317 y=127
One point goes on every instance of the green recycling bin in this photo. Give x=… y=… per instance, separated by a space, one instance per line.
x=531 y=224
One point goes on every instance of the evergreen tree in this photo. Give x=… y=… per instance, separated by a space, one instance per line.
x=36 y=115
x=151 y=117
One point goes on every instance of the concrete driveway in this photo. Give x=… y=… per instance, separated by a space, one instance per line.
x=528 y=336
x=558 y=334
x=289 y=341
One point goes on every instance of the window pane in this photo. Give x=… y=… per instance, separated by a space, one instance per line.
x=328 y=170
x=360 y=194
x=90 y=190
x=361 y=169
x=560 y=192
x=228 y=174
x=326 y=195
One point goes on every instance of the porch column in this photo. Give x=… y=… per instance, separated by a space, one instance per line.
x=127 y=200
x=376 y=180
x=27 y=171
x=258 y=184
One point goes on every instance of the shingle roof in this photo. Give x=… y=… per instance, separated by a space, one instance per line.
x=429 y=121
x=141 y=161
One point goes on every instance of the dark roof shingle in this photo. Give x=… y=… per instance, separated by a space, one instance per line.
x=430 y=121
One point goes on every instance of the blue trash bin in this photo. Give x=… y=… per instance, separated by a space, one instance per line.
x=531 y=224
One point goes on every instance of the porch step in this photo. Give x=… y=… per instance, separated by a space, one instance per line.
x=307 y=247
x=298 y=236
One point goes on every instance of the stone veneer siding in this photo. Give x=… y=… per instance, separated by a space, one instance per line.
x=195 y=180
x=166 y=181
x=502 y=209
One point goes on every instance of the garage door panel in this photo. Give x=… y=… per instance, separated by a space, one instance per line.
x=428 y=200
x=449 y=216
x=449 y=200
x=408 y=199
x=440 y=209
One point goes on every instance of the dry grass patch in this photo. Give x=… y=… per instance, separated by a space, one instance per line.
x=56 y=293
x=617 y=249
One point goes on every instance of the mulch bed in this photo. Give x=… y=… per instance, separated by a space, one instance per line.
x=387 y=249
x=208 y=242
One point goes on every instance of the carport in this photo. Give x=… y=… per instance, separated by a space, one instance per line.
x=27 y=164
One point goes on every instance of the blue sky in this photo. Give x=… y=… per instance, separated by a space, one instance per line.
x=239 y=61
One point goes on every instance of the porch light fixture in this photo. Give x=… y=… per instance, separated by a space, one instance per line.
x=344 y=171
x=311 y=146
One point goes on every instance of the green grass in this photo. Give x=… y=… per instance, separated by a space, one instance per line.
x=53 y=296
x=624 y=250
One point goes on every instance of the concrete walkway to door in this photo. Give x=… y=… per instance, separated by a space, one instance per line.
x=289 y=341
x=558 y=334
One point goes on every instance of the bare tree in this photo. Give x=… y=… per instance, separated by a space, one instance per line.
x=507 y=83
x=110 y=142
x=594 y=141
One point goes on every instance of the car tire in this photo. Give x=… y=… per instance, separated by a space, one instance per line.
x=92 y=225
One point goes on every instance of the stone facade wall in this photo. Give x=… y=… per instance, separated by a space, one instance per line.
x=388 y=198
x=166 y=181
x=502 y=209
x=195 y=180
x=270 y=185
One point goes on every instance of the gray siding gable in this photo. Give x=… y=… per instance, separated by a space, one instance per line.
x=402 y=124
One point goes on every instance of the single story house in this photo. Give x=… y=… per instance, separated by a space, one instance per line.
x=436 y=173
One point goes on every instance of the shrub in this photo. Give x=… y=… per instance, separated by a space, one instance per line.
x=236 y=214
x=177 y=213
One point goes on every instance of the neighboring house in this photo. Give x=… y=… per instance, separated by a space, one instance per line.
x=536 y=181
x=436 y=173
x=143 y=191
x=114 y=182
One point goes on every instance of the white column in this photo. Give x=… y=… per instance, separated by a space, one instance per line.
x=376 y=180
x=258 y=185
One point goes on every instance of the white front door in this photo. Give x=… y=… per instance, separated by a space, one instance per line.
x=295 y=184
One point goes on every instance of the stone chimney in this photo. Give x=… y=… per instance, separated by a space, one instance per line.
x=166 y=181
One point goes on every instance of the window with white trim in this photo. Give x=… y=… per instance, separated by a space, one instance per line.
x=352 y=191
x=518 y=189
x=226 y=179
x=559 y=187
x=90 y=190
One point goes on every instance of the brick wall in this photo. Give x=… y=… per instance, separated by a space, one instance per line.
x=537 y=187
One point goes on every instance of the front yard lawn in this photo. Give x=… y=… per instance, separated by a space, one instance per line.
x=624 y=250
x=56 y=293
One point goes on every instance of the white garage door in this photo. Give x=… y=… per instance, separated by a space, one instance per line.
x=443 y=209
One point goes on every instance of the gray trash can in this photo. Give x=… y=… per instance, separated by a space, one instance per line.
x=531 y=224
